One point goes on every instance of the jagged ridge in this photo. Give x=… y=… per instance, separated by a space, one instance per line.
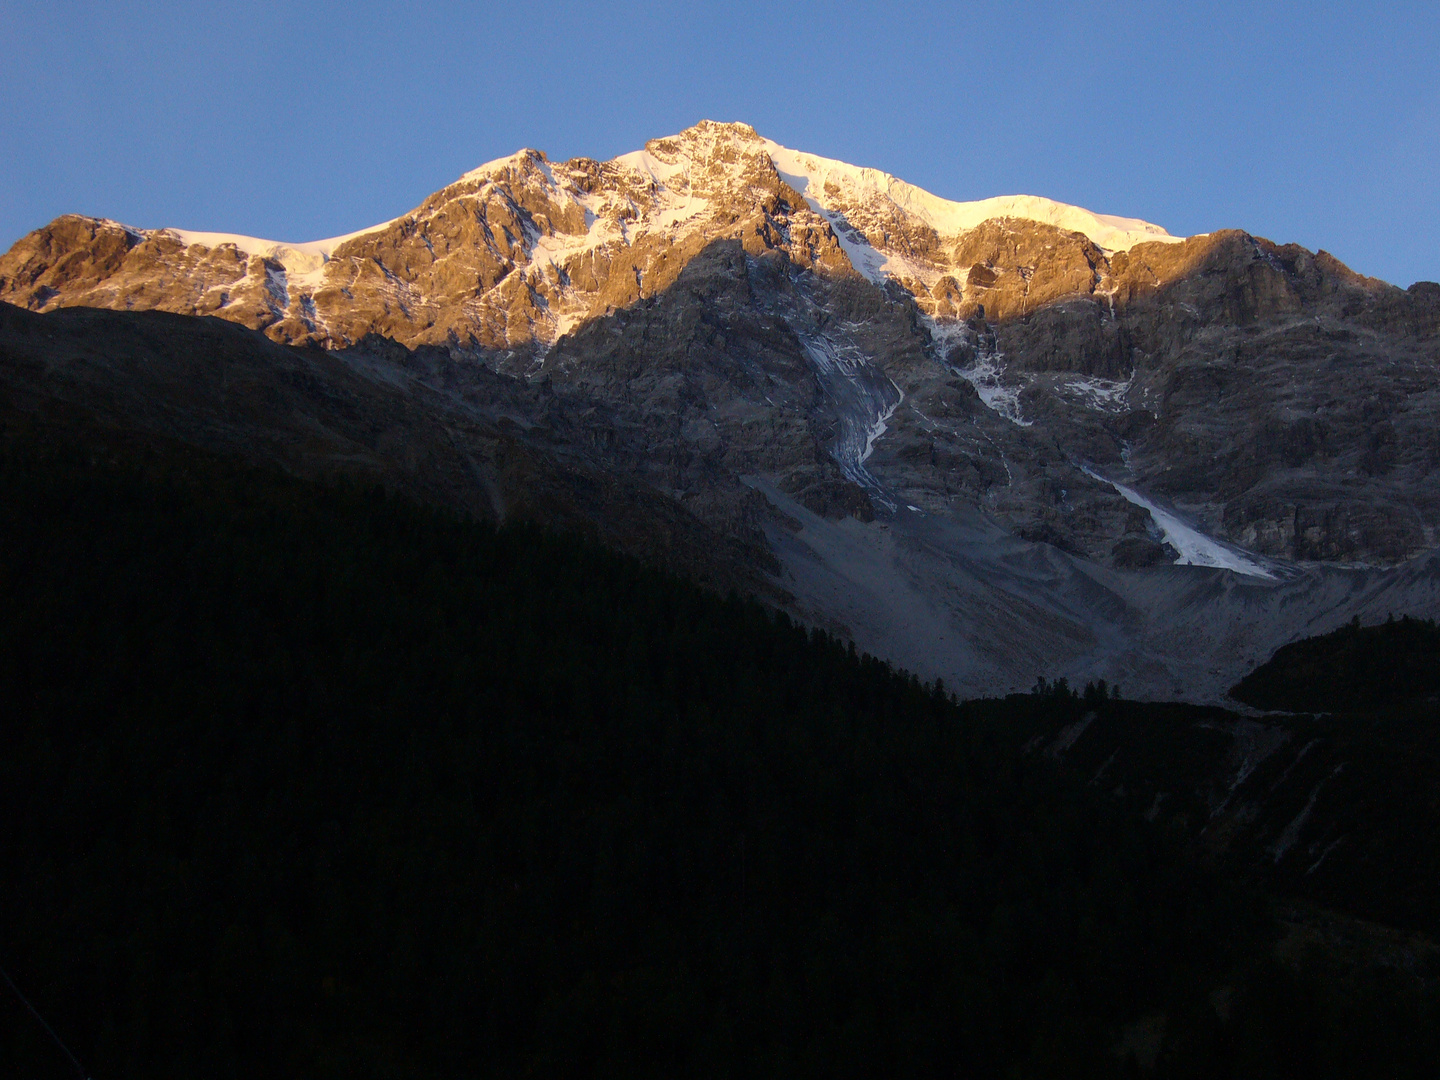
x=521 y=249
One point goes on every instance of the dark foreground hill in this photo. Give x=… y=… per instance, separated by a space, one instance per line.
x=1355 y=669
x=304 y=780
x=1340 y=811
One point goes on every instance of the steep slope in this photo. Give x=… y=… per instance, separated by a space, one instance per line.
x=1335 y=810
x=951 y=596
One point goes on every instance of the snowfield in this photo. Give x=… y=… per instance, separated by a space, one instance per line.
x=1194 y=547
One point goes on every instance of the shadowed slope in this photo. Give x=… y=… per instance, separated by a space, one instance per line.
x=446 y=434
x=299 y=781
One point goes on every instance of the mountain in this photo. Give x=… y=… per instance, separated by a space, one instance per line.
x=521 y=250
x=977 y=437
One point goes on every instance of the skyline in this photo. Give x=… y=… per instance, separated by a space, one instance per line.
x=1309 y=124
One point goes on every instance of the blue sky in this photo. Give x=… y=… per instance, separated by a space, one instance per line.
x=1309 y=122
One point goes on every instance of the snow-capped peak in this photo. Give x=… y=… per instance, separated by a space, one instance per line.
x=490 y=169
x=824 y=180
x=521 y=249
x=829 y=186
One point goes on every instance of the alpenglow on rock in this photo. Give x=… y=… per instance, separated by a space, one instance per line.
x=521 y=249
x=729 y=310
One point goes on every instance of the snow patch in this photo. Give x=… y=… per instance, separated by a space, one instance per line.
x=873 y=264
x=1195 y=548
x=1068 y=736
x=809 y=174
x=986 y=374
x=500 y=164
x=1287 y=838
x=1103 y=395
x=865 y=400
x=302 y=258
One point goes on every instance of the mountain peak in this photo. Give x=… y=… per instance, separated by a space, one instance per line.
x=717 y=309
x=520 y=250
x=833 y=187
x=714 y=131
x=526 y=156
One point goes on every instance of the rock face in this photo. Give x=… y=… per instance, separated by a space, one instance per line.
x=508 y=257
x=717 y=308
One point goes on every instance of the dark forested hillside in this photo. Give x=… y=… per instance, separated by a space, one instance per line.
x=1353 y=669
x=1340 y=810
x=298 y=780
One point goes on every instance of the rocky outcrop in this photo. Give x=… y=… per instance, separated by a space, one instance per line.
x=1281 y=400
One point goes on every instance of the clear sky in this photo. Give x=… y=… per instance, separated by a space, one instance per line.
x=1317 y=122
